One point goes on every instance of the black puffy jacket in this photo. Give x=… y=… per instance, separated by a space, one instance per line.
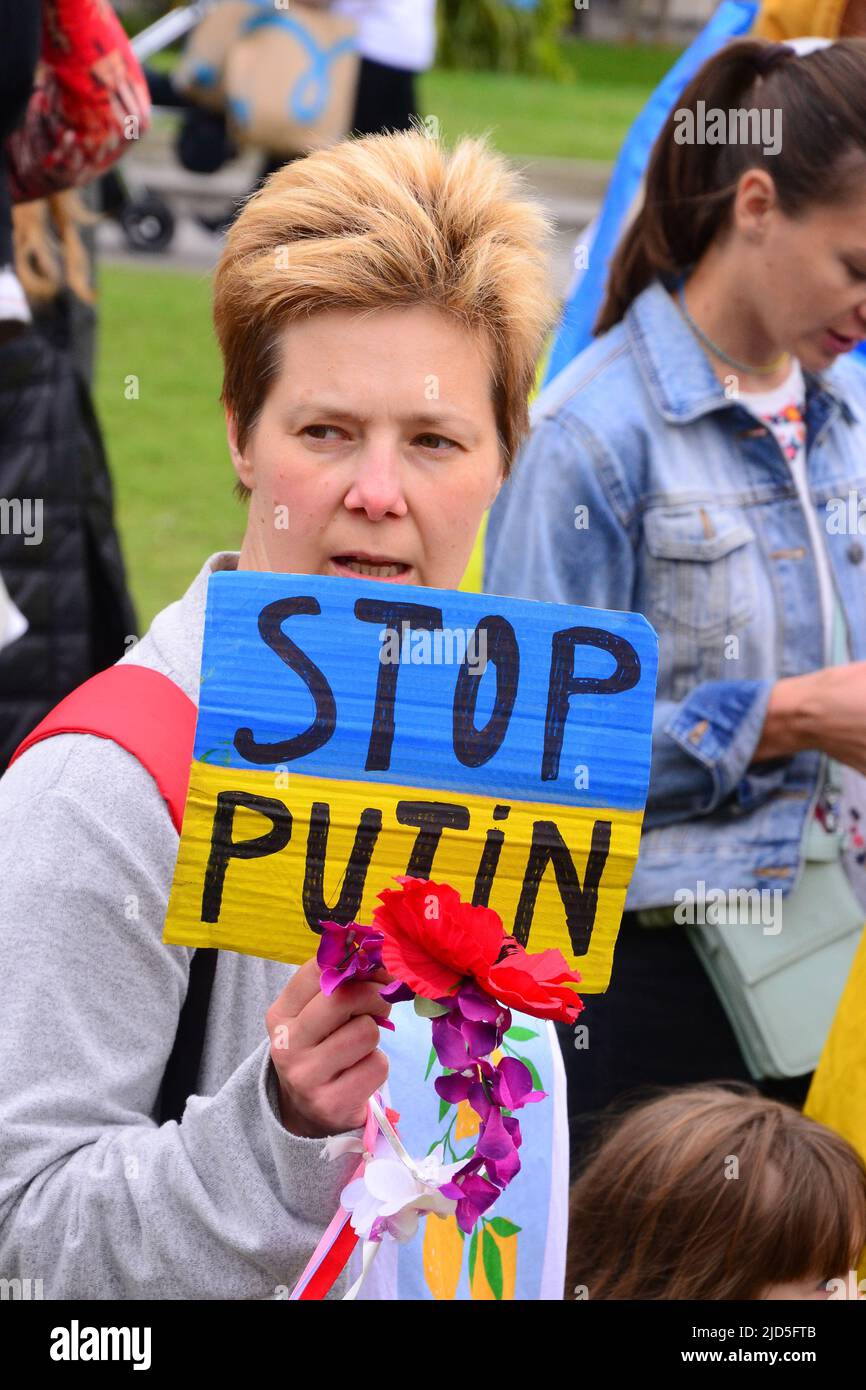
x=66 y=576
x=59 y=554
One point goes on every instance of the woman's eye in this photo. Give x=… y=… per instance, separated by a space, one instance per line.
x=430 y=441
x=324 y=431
x=856 y=272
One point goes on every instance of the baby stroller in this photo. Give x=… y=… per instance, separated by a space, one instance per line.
x=144 y=215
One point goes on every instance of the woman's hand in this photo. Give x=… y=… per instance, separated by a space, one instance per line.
x=325 y=1049
x=825 y=710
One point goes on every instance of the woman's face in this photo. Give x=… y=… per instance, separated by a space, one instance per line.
x=806 y=276
x=376 y=452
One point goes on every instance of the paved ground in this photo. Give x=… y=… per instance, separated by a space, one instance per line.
x=572 y=190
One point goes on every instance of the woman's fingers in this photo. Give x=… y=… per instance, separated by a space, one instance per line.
x=326 y=1013
x=338 y=1053
x=325 y=1050
x=341 y=1096
x=302 y=987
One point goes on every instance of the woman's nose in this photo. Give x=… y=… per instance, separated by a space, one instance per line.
x=377 y=488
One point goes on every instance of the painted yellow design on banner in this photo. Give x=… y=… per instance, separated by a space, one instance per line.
x=314 y=845
x=350 y=732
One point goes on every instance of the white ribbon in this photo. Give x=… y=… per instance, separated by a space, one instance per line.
x=809 y=43
x=370 y=1250
x=393 y=1138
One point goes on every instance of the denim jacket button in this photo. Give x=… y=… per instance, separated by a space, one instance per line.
x=855 y=552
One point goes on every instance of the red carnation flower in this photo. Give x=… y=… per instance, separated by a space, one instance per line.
x=537 y=984
x=432 y=940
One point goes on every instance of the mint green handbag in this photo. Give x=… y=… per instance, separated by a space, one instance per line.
x=780 y=991
x=780 y=988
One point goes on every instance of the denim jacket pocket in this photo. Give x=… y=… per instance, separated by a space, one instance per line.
x=699 y=589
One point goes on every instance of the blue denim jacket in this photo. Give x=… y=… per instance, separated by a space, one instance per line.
x=693 y=519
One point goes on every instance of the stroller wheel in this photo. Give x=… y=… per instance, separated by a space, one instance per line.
x=148 y=222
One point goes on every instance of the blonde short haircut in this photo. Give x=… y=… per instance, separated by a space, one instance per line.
x=386 y=222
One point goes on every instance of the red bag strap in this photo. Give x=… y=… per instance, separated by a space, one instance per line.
x=142 y=710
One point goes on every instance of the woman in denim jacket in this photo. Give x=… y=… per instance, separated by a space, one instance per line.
x=703 y=463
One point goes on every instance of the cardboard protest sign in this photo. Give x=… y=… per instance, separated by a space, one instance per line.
x=350 y=731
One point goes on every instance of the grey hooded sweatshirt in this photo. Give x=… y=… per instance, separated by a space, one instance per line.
x=96 y=1199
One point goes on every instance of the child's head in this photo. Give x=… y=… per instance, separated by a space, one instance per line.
x=713 y=1193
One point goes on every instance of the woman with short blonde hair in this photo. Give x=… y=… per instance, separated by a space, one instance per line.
x=388 y=222
x=379 y=306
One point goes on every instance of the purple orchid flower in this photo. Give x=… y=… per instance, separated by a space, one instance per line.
x=456 y=1086
x=475 y=1004
x=494 y=1141
x=473 y=1195
x=511 y=1085
x=397 y=993
x=450 y=1045
x=502 y=1170
x=350 y=952
x=463 y=1039
x=473 y=1027
x=470 y=1027
x=507 y=1086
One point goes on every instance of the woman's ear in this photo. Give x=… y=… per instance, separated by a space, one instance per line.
x=754 y=202
x=242 y=466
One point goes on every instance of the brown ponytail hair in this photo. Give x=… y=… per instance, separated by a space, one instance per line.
x=690 y=188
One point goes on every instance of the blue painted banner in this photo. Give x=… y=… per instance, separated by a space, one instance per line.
x=351 y=730
x=556 y=670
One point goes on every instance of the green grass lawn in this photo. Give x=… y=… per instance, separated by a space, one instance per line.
x=532 y=116
x=584 y=118
x=172 y=473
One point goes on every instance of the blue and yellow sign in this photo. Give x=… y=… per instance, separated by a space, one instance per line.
x=350 y=731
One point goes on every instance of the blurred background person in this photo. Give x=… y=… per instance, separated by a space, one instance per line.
x=777 y=20
x=21 y=26
x=68 y=85
x=395 y=40
x=683 y=467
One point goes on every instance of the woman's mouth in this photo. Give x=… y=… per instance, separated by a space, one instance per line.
x=837 y=342
x=370 y=566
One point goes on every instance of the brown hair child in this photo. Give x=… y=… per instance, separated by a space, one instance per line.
x=713 y=1193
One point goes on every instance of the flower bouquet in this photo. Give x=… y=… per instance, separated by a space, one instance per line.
x=465 y=974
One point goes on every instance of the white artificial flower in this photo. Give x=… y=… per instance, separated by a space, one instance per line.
x=396 y=1195
x=340 y=1144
